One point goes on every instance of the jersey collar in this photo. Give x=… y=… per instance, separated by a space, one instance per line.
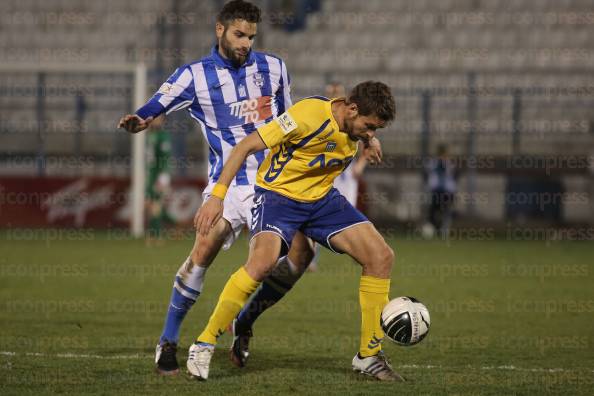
x=226 y=63
x=333 y=122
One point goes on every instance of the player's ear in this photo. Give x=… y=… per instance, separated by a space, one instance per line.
x=219 y=29
x=352 y=110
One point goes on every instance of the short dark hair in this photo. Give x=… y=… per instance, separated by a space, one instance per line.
x=374 y=97
x=239 y=9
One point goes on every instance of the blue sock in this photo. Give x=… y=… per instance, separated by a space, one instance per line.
x=182 y=299
x=269 y=293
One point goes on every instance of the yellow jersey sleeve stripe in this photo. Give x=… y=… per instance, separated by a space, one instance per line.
x=282 y=157
x=307 y=138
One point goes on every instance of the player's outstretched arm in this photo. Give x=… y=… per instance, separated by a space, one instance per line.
x=208 y=215
x=133 y=123
x=175 y=94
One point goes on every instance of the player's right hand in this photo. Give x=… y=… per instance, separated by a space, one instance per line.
x=208 y=215
x=133 y=123
x=373 y=151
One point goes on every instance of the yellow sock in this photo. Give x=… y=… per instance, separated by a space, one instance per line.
x=373 y=296
x=238 y=289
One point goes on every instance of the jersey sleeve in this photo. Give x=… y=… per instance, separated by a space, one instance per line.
x=175 y=94
x=283 y=94
x=289 y=125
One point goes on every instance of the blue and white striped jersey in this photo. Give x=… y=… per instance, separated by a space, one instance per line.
x=228 y=102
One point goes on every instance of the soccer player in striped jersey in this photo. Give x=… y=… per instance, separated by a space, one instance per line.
x=230 y=93
x=310 y=145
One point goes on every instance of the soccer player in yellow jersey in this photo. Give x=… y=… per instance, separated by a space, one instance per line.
x=310 y=145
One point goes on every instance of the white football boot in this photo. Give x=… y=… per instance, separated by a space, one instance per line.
x=198 y=363
x=376 y=366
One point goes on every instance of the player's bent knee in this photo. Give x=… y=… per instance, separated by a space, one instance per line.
x=385 y=256
x=380 y=261
x=202 y=251
x=259 y=267
x=388 y=257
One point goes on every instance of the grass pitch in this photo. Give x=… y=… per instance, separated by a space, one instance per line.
x=81 y=313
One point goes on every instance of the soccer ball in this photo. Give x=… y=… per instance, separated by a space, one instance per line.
x=405 y=320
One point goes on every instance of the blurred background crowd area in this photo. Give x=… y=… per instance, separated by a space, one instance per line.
x=505 y=87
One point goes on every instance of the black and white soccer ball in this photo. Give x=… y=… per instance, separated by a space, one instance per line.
x=405 y=320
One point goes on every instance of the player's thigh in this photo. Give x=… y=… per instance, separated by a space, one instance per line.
x=265 y=248
x=302 y=251
x=365 y=244
x=207 y=247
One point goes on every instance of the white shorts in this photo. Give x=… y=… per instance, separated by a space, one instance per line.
x=236 y=210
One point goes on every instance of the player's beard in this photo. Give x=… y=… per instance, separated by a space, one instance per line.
x=231 y=53
x=348 y=126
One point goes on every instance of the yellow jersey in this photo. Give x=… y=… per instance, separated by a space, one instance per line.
x=307 y=151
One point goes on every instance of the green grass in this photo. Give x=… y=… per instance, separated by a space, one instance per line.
x=507 y=318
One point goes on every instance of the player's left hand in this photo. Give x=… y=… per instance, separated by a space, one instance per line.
x=133 y=123
x=373 y=151
x=208 y=215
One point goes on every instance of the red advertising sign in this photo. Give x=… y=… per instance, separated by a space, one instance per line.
x=94 y=202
